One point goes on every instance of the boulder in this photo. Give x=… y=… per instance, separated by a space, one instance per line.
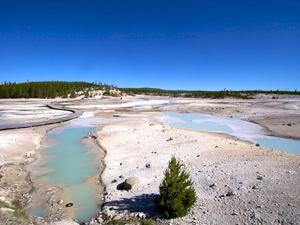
x=130 y=183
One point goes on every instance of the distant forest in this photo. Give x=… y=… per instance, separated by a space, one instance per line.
x=204 y=94
x=47 y=89
x=53 y=89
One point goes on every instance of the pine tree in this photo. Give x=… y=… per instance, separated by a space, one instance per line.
x=177 y=194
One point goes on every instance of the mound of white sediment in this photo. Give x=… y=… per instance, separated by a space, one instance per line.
x=17 y=145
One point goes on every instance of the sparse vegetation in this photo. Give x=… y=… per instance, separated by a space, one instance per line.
x=177 y=194
x=19 y=212
x=129 y=220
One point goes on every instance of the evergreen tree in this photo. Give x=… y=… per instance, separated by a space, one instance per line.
x=46 y=89
x=177 y=194
x=72 y=95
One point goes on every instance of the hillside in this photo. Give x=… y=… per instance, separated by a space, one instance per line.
x=54 y=89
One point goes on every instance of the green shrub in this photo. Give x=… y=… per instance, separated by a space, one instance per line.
x=177 y=194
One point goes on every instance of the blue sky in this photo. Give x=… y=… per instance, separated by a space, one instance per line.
x=211 y=45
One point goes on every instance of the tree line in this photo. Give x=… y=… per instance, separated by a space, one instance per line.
x=204 y=94
x=46 y=89
x=53 y=89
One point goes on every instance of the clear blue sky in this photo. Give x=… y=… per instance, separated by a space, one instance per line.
x=242 y=44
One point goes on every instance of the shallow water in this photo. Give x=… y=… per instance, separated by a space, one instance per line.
x=236 y=127
x=70 y=164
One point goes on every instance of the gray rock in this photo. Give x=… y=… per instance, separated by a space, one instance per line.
x=212 y=185
x=252 y=215
x=230 y=193
x=130 y=183
x=259 y=177
x=234 y=213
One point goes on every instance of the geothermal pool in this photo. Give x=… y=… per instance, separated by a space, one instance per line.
x=70 y=165
x=236 y=127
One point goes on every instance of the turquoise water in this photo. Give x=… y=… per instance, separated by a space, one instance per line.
x=71 y=164
x=236 y=127
x=283 y=144
x=38 y=212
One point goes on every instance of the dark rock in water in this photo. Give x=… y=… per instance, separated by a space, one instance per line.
x=70 y=204
x=148 y=165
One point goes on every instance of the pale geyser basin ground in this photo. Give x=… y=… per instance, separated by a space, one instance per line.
x=236 y=127
x=131 y=140
x=70 y=165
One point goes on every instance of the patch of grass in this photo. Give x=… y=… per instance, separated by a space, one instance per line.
x=122 y=221
x=19 y=210
x=4 y=205
x=130 y=220
x=147 y=222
